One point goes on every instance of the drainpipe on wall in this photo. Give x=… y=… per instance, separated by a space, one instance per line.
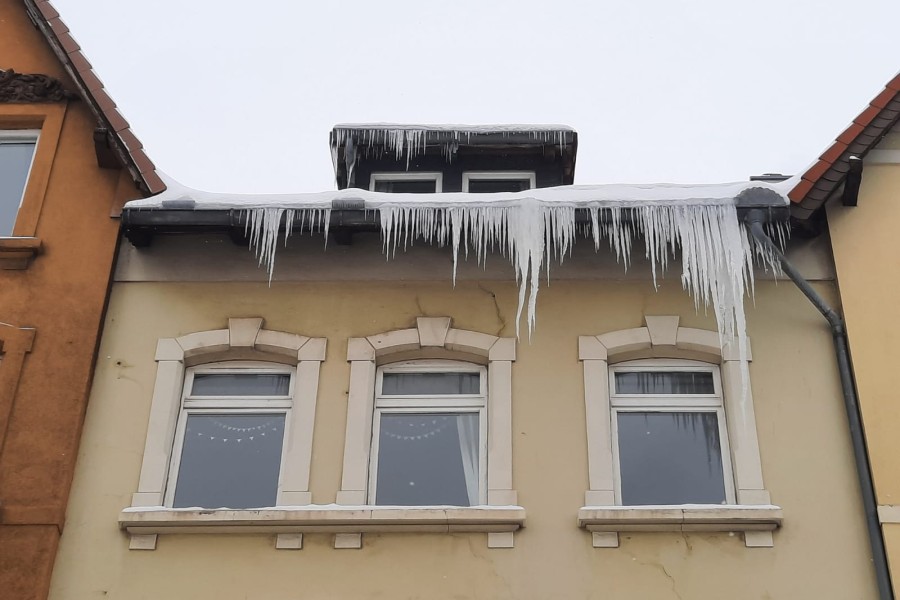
x=755 y=219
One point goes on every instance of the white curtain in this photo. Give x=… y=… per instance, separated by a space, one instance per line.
x=467 y=427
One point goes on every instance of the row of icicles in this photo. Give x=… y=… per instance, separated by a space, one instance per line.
x=717 y=253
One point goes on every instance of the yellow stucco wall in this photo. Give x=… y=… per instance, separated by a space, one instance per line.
x=821 y=552
x=867 y=260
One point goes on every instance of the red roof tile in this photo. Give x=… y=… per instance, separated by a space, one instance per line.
x=67 y=49
x=827 y=174
x=834 y=152
x=849 y=134
x=800 y=190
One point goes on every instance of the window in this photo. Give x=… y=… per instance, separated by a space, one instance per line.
x=669 y=435
x=422 y=404
x=16 y=155
x=230 y=436
x=227 y=434
x=481 y=182
x=406 y=183
x=661 y=454
x=429 y=435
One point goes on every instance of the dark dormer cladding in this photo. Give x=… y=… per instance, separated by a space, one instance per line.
x=452 y=158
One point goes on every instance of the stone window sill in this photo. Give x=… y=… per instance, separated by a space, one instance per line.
x=756 y=522
x=16 y=253
x=348 y=523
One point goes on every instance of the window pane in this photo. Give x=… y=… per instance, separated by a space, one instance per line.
x=487 y=186
x=230 y=461
x=416 y=384
x=665 y=382
x=670 y=458
x=15 y=161
x=241 y=384
x=428 y=459
x=406 y=186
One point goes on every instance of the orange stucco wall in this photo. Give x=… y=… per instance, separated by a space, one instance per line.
x=61 y=296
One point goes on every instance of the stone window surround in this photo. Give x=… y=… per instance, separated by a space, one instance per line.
x=17 y=251
x=433 y=337
x=245 y=339
x=662 y=337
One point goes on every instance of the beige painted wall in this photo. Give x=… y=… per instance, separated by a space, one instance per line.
x=821 y=552
x=867 y=260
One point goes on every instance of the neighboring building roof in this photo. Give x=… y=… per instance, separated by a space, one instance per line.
x=820 y=180
x=118 y=137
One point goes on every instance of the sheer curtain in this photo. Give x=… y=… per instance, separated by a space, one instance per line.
x=467 y=427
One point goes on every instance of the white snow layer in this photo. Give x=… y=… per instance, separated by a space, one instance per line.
x=534 y=227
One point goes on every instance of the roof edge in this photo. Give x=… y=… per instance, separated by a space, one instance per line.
x=128 y=149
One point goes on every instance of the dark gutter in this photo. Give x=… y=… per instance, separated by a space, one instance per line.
x=348 y=216
x=755 y=220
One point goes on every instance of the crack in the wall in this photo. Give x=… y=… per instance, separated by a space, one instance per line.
x=661 y=567
x=497 y=310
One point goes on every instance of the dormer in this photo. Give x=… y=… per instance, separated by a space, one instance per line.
x=394 y=158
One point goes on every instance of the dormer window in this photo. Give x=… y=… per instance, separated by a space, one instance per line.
x=406 y=183
x=16 y=154
x=483 y=182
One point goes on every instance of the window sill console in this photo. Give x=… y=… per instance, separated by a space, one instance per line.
x=290 y=523
x=756 y=521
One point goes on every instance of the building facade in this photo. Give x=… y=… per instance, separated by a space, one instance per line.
x=344 y=426
x=65 y=167
x=856 y=182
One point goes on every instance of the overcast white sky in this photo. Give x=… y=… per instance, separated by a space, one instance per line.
x=240 y=97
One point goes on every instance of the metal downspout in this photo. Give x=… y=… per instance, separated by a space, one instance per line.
x=755 y=220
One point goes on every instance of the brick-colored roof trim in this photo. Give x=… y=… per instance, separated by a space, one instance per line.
x=821 y=180
x=123 y=141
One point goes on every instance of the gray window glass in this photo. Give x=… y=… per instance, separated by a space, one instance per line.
x=406 y=186
x=230 y=460
x=415 y=384
x=670 y=458
x=665 y=382
x=487 y=186
x=428 y=459
x=241 y=384
x=15 y=162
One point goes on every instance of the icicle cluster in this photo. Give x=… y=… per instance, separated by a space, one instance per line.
x=411 y=140
x=263 y=224
x=717 y=254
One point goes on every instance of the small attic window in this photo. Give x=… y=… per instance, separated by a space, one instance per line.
x=485 y=182
x=406 y=183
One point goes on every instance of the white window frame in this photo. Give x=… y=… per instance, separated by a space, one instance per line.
x=433 y=338
x=243 y=339
x=436 y=176
x=11 y=136
x=438 y=403
x=669 y=403
x=231 y=405
x=468 y=176
x=663 y=338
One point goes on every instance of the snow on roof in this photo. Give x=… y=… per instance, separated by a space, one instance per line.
x=178 y=196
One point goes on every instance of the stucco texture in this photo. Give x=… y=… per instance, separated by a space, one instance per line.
x=60 y=296
x=867 y=259
x=821 y=552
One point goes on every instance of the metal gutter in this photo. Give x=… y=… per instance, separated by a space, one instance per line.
x=347 y=216
x=755 y=220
